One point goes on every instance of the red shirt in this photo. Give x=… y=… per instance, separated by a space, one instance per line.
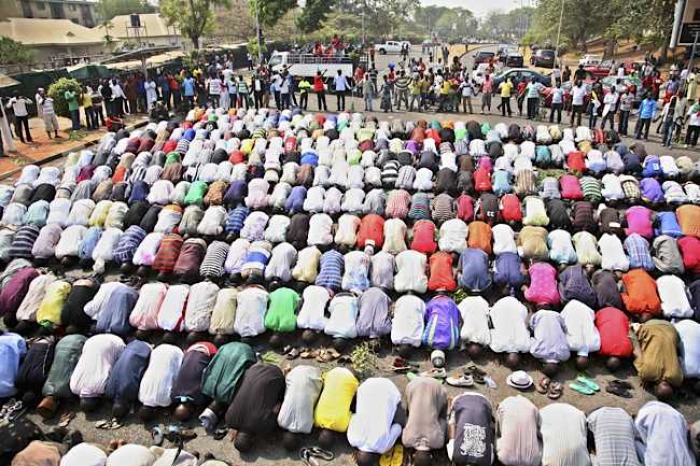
x=371 y=229
x=236 y=157
x=690 y=251
x=613 y=327
x=465 y=208
x=482 y=180
x=510 y=208
x=318 y=83
x=441 y=274
x=424 y=237
x=576 y=161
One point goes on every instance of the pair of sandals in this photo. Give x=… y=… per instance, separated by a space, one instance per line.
x=310 y=455
x=619 y=388
x=324 y=355
x=584 y=386
x=114 y=424
x=551 y=388
x=174 y=434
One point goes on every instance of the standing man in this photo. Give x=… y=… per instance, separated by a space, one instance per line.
x=557 y=103
x=578 y=94
x=533 y=99
x=691 y=136
x=89 y=109
x=506 y=88
x=304 y=87
x=626 y=102
x=368 y=92
x=48 y=114
x=487 y=89
x=566 y=74
x=341 y=87
x=188 y=86
x=320 y=90
x=467 y=90
x=118 y=97
x=151 y=94
x=647 y=111
x=249 y=59
x=258 y=85
x=401 y=87
x=164 y=87
x=556 y=75
x=19 y=104
x=73 y=108
x=609 y=106
x=284 y=90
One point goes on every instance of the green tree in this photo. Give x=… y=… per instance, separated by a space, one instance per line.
x=314 y=13
x=194 y=18
x=108 y=9
x=57 y=92
x=15 y=53
x=428 y=16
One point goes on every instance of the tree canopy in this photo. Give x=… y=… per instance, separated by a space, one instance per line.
x=194 y=18
x=14 y=53
x=108 y=9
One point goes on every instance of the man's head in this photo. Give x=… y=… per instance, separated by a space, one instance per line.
x=340 y=72
x=422 y=458
x=364 y=458
x=664 y=391
x=326 y=438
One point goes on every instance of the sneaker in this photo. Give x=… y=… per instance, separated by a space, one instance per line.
x=435 y=372
x=462 y=381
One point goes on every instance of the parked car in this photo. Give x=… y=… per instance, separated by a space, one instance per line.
x=590 y=60
x=514 y=59
x=602 y=69
x=482 y=57
x=543 y=58
x=519 y=74
x=391 y=46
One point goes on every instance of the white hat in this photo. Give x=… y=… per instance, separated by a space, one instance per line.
x=437 y=357
x=520 y=380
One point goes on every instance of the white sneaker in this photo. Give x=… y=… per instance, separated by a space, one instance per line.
x=435 y=372
x=464 y=380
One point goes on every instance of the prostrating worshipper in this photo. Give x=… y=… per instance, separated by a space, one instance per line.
x=190 y=259
x=475 y=331
x=374 y=318
x=549 y=340
x=13 y=348
x=470 y=431
x=187 y=386
x=296 y=416
x=132 y=454
x=662 y=436
x=605 y=287
x=13 y=292
x=341 y=325
x=280 y=317
x=89 y=378
x=509 y=331
x=57 y=386
x=73 y=315
x=376 y=425
x=542 y=289
x=125 y=379
x=425 y=432
x=574 y=286
x=157 y=382
x=28 y=308
x=613 y=437
x=39 y=453
x=613 y=327
x=564 y=435
x=223 y=316
x=517 y=429
x=48 y=315
x=221 y=379
x=199 y=308
x=250 y=311
x=407 y=324
x=656 y=356
x=144 y=315
x=441 y=323
x=84 y=454
x=256 y=404
x=35 y=367
x=473 y=271
x=311 y=316
x=333 y=410
x=581 y=332
x=689 y=334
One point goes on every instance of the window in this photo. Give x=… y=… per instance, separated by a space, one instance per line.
x=40 y=6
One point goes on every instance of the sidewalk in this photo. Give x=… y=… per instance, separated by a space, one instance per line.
x=43 y=149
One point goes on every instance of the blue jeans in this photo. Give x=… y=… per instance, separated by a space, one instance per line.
x=75 y=119
x=624 y=120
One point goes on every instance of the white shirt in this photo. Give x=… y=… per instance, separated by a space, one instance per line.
x=100 y=352
x=503 y=239
x=372 y=427
x=314 y=199
x=611 y=187
x=586 y=248
x=475 y=320
x=564 y=435
x=311 y=314
x=84 y=454
x=408 y=321
x=453 y=236
x=340 y=82
x=581 y=332
x=577 y=95
x=394 y=236
x=281 y=262
x=172 y=309
x=19 y=106
x=411 y=274
x=304 y=384
x=320 y=226
x=200 y=306
x=250 y=313
x=561 y=249
x=346 y=234
x=662 y=436
x=509 y=333
x=613 y=253
x=276 y=230
x=353 y=200
x=343 y=311
x=689 y=334
x=674 y=300
x=424 y=180
x=157 y=381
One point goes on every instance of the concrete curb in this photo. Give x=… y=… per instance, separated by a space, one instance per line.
x=51 y=158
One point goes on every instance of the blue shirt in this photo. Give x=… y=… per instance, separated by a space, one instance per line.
x=235 y=219
x=188 y=86
x=647 y=109
x=637 y=249
x=331 y=273
x=12 y=348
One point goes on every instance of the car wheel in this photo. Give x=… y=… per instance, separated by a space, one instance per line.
x=382 y=52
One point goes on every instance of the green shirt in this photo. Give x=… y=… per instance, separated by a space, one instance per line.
x=72 y=101
x=304 y=87
x=281 y=314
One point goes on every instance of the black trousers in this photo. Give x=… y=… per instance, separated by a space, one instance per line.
x=258 y=97
x=555 y=108
x=340 y=99
x=321 y=100
x=22 y=122
x=691 y=135
x=643 y=127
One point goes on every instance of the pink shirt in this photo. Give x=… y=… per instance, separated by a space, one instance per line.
x=639 y=221
x=543 y=284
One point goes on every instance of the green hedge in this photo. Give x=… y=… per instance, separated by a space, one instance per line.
x=58 y=89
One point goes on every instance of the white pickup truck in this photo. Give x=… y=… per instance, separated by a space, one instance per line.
x=307 y=65
x=391 y=46
x=591 y=60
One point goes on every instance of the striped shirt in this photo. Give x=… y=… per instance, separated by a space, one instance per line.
x=637 y=249
x=525 y=183
x=405 y=178
x=390 y=173
x=630 y=187
x=614 y=433
x=591 y=189
x=375 y=202
x=213 y=263
x=397 y=204
x=331 y=274
x=442 y=208
x=420 y=206
x=129 y=241
x=550 y=188
x=168 y=252
x=236 y=219
x=24 y=241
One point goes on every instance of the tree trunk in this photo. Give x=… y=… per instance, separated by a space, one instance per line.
x=195 y=42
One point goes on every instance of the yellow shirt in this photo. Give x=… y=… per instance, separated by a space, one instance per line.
x=52 y=304
x=445 y=88
x=87 y=100
x=506 y=88
x=333 y=408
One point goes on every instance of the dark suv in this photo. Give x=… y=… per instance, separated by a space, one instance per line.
x=543 y=58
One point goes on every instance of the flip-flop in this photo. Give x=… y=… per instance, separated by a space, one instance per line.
x=103 y=424
x=462 y=381
x=157 y=435
x=554 y=390
x=304 y=456
x=66 y=418
x=542 y=386
x=588 y=383
x=581 y=388
x=293 y=353
x=618 y=390
x=115 y=424
x=321 y=453
x=308 y=354
x=622 y=383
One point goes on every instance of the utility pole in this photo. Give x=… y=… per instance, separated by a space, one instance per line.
x=258 y=28
x=561 y=18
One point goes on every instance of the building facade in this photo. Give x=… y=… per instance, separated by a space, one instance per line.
x=78 y=11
